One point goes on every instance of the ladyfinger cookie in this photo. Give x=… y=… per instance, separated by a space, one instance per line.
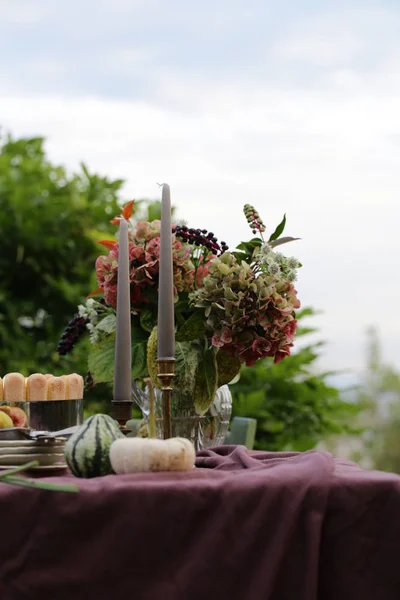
x=36 y=387
x=14 y=387
x=80 y=382
x=56 y=388
x=74 y=386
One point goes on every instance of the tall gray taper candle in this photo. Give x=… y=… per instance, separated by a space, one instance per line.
x=123 y=351
x=166 y=323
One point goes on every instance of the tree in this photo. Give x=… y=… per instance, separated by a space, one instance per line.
x=379 y=398
x=49 y=226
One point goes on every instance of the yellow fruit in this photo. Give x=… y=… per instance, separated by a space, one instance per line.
x=5 y=421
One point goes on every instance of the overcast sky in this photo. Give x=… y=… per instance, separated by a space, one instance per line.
x=291 y=106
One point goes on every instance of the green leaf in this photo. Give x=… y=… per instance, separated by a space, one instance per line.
x=101 y=360
x=186 y=364
x=255 y=242
x=305 y=330
x=147 y=319
x=307 y=312
x=194 y=328
x=235 y=379
x=228 y=367
x=249 y=246
x=242 y=256
x=139 y=360
x=283 y=240
x=139 y=352
x=183 y=303
x=206 y=381
x=278 y=230
x=247 y=250
x=101 y=357
x=85 y=170
x=139 y=335
x=107 y=324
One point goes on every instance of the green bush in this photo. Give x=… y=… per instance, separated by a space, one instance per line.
x=294 y=405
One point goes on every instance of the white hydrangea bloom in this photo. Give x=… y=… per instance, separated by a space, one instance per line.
x=292 y=263
x=274 y=268
x=265 y=250
x=279 y=257
x=270 y=259
x=93 y=316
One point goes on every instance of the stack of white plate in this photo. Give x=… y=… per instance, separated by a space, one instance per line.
x=49 y=455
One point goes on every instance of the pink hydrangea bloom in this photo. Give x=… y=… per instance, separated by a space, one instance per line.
x=144 y=254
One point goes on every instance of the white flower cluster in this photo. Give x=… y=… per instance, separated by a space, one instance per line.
x=88 y=311
x=100 y=319
x=275 y=263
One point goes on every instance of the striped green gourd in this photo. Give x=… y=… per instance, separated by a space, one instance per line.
x=87 y=450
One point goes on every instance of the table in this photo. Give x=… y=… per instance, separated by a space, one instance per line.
x=244 y=526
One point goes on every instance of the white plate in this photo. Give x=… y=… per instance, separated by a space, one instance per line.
x=31 y=443
x=30 y=450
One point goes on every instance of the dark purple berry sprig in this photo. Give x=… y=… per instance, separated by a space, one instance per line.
x=253 y=219
x=74 y=330
x=200 y=237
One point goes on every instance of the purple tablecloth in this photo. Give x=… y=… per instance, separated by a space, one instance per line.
x=246 y=526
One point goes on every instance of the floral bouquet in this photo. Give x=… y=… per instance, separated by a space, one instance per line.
x=231 y=307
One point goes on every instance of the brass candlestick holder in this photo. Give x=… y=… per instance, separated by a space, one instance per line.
x=166 y=373
x=122 y=412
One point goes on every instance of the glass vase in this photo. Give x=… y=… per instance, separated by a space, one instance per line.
x=204 y=431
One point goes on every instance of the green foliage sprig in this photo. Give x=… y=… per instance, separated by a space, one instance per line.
x=8 y=476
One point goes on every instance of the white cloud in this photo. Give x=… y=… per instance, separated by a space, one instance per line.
x=21 y=13
x=337 y=37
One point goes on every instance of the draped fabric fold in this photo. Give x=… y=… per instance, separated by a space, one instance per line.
x=241 y=526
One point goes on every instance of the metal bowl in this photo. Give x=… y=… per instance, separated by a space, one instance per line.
x=51 y=415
